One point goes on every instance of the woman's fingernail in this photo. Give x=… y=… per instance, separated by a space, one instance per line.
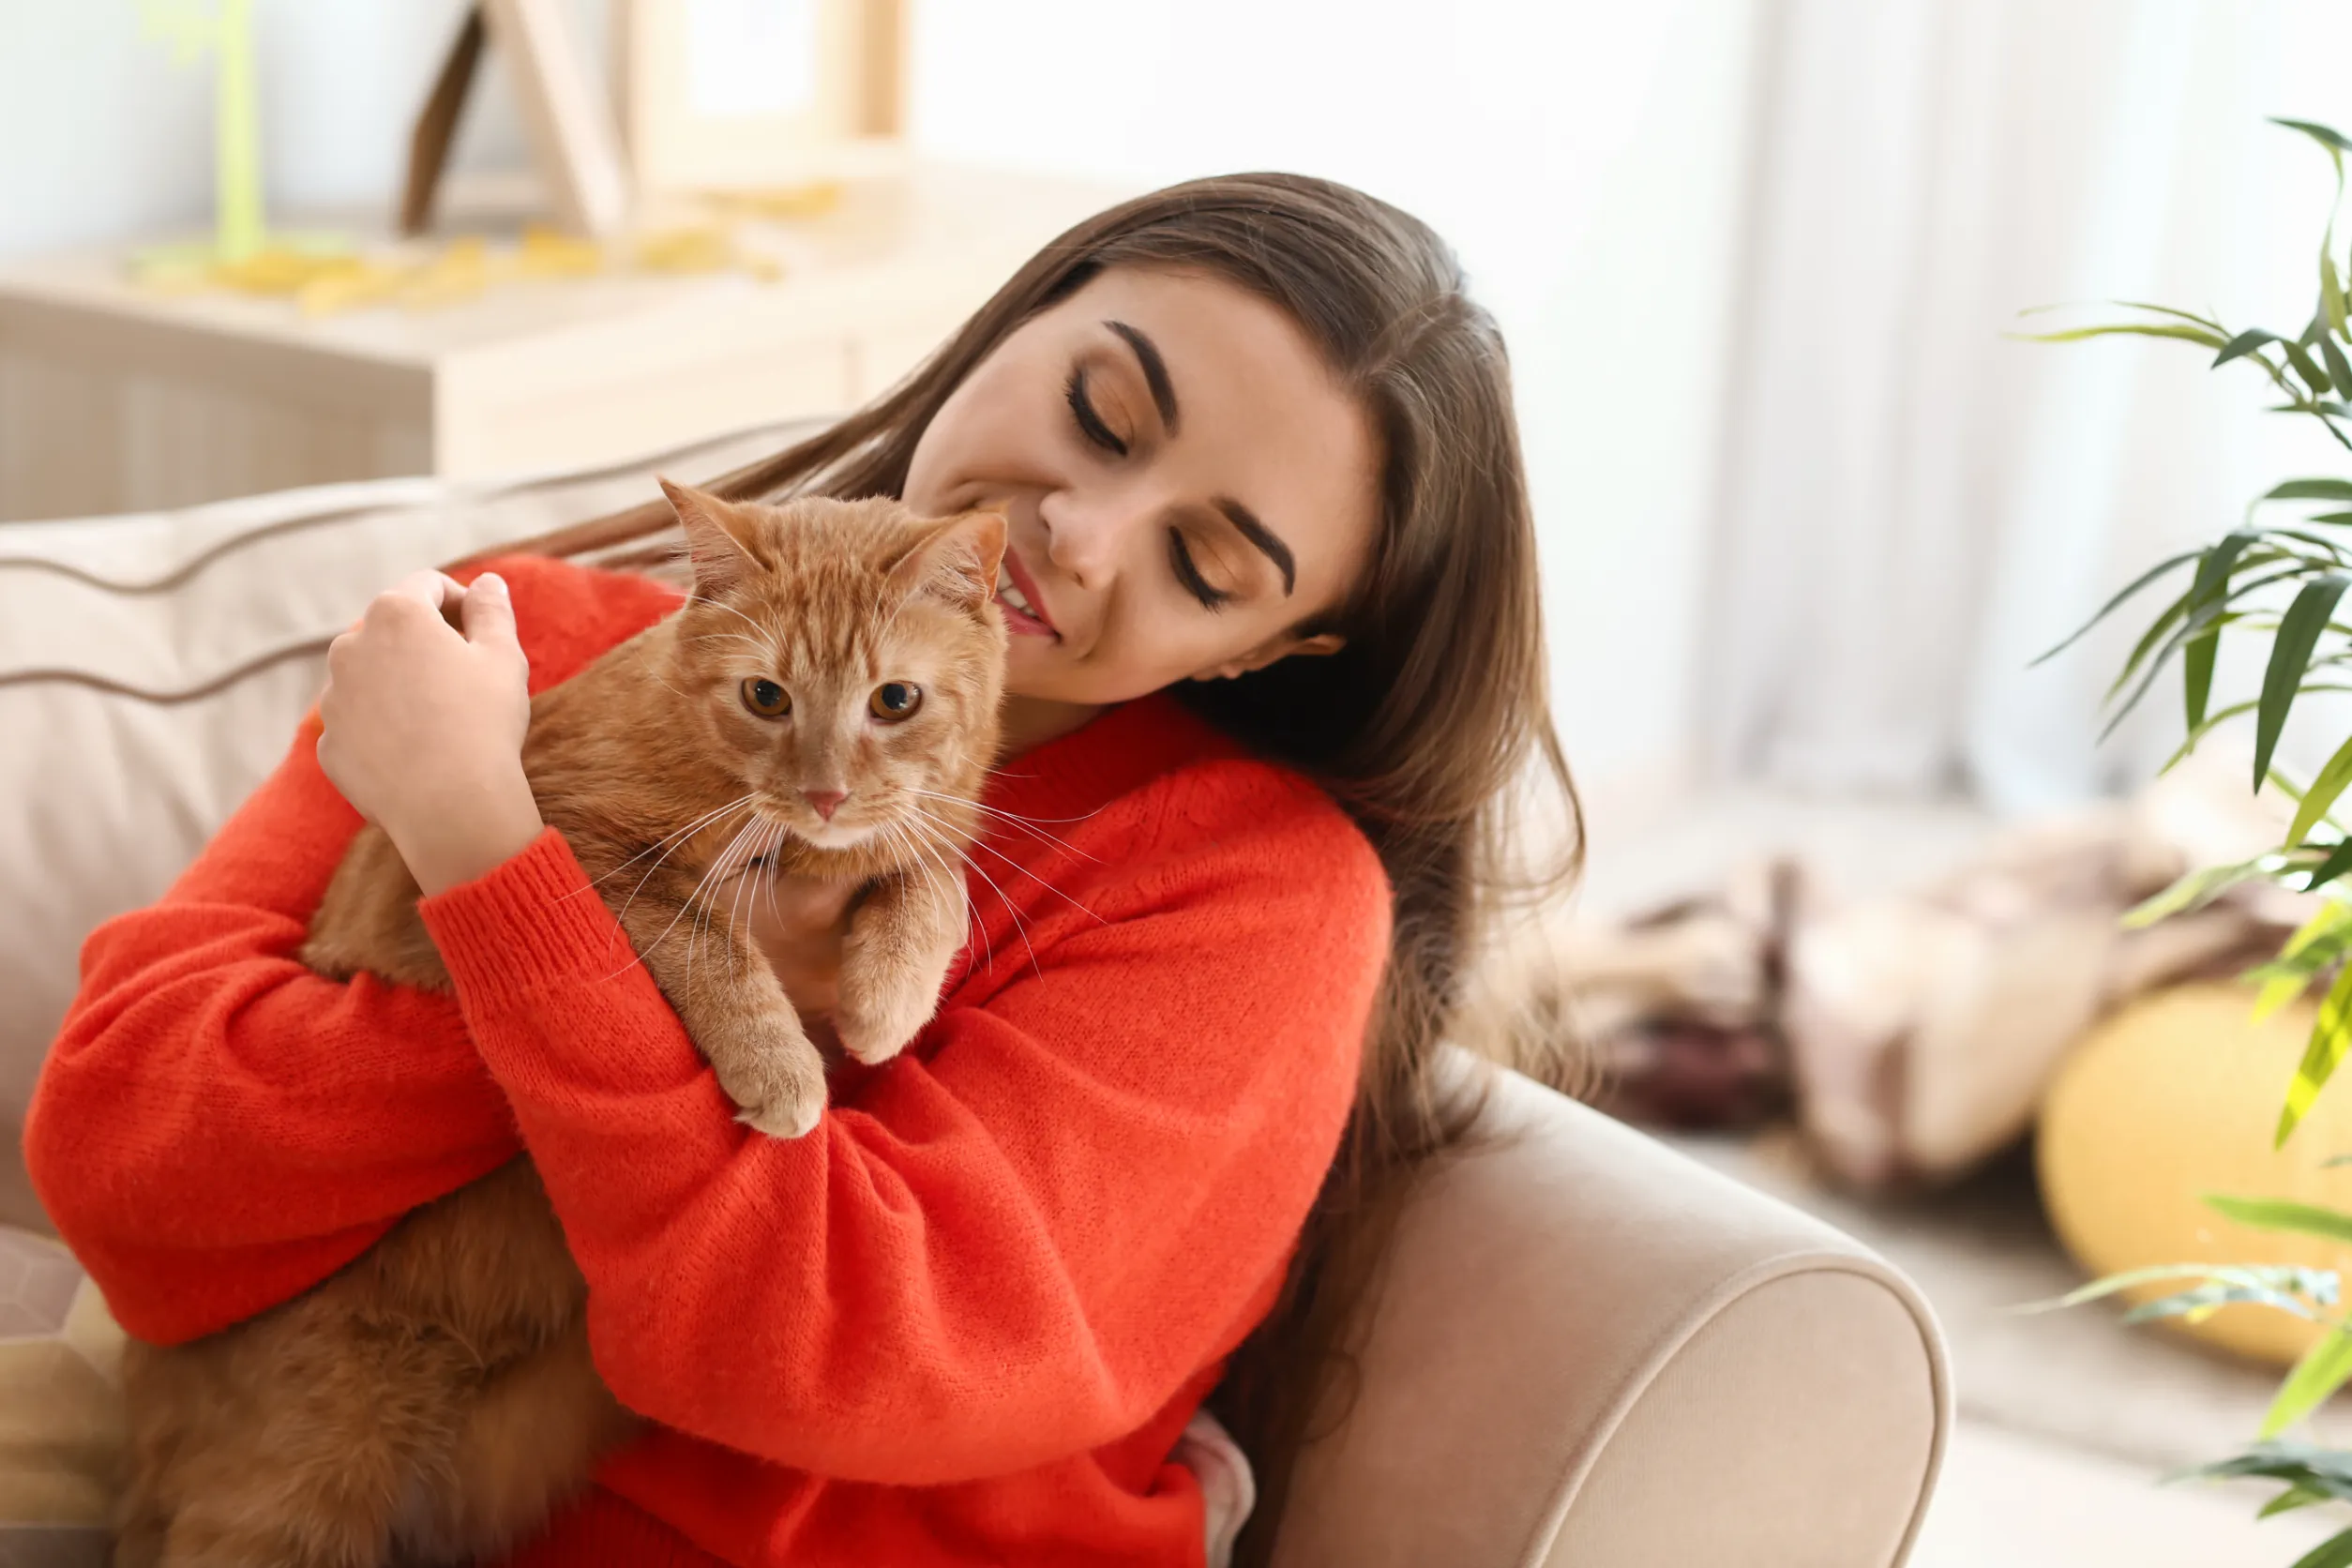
x=492 y=581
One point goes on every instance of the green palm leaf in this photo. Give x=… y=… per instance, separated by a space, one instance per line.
x=2290 y=655
x=2328 y=1038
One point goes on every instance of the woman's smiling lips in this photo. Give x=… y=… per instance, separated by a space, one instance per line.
x=1024 y=610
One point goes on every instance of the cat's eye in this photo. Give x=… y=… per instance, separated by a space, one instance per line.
x=766 y=698
x=895 y=699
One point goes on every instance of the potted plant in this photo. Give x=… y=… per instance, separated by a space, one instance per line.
x=2282 y=575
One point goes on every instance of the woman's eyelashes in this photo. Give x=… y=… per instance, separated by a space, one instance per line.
x=1090 y=423
x=1188 y=573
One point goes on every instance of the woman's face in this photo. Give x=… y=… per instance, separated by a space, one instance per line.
x=1185 y=482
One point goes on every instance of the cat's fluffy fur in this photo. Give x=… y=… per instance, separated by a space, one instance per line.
x=431 y=1401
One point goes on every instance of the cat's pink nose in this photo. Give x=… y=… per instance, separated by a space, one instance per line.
x=825 y=801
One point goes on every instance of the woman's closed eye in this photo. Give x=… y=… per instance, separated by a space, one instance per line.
x=1179 y=556
x=1090 y=421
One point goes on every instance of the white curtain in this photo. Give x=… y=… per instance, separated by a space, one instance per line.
x=1912 y=503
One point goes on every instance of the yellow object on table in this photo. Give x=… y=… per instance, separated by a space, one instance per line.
x=323 y=282
x=119 y=394
x=324 y=279
x=2175 y=1096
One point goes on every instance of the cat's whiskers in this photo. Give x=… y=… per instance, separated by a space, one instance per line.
x=767 y=884
x=736 y=858
x=734 y=913
x=903 y=836
x=668 y=845
x=662 y=848
x=936 y=867
x=693 y=901
x=1082 y=817
x=1011 y=819
x=939 y=833
x=765 y=636
x=667 y=839
x=1015 y=864
x=760 y=646
x=767 y=844
x=761 y=834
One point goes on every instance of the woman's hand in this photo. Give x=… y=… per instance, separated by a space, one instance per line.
x=426 y=707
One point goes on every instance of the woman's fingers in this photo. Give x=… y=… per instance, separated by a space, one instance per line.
x=435 y=592
x=429 y=588
x=487 y=612
x=426 y=709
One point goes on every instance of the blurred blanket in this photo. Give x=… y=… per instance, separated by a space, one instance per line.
x=1909 y=1033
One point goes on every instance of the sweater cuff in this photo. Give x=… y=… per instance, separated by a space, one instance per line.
x=531 y=922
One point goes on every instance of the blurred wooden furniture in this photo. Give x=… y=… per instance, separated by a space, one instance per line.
x=115 y=398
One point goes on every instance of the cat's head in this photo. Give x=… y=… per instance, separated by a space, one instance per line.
x=848 y=657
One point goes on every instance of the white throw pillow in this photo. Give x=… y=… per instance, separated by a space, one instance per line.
x=153 y=668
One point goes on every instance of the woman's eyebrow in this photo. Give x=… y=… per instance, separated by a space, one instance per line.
x=1263 y=537
x=1147 y=355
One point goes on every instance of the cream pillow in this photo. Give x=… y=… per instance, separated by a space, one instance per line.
x=153 y=668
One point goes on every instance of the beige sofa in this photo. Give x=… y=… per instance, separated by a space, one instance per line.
x=1589 y=1348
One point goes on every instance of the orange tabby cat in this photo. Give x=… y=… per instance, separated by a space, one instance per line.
x=825 y=703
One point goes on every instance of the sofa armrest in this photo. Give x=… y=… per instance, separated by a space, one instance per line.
x=1589 y=1348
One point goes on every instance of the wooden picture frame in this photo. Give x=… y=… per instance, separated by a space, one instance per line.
x=572 y=127
x=573 y=138
x=740 y=95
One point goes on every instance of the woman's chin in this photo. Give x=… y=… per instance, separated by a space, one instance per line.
x=1037 y=670
x=1030 y=669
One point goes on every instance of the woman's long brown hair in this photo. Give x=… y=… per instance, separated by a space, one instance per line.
x=1426 y=726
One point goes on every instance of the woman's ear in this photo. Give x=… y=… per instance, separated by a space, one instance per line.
x=1273 y=650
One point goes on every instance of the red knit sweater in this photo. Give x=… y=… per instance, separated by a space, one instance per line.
x=962 y=1321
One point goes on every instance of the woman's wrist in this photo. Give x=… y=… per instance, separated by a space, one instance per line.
x=473 y=837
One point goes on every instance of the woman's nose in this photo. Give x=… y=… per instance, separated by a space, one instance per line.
x=1085 y=535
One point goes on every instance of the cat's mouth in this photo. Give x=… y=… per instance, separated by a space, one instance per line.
x=1018 y=593
x=822 y=835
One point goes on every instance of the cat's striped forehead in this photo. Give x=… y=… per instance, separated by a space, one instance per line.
x=832 y=544
x=820 y=587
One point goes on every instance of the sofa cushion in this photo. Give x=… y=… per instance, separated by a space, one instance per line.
x=153 y=666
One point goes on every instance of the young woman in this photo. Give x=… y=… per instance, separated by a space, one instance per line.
x=1275 y=671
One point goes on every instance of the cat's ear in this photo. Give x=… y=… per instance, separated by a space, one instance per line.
x=718 y=539
x=955 y=561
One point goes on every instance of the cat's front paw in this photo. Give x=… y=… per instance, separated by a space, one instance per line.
x=875 y=1025
x=788 y=1112
x=779 y=1085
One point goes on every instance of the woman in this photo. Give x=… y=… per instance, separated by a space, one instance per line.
x=1269 y=524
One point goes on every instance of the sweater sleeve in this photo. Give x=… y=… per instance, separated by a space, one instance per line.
x=1022 y=1236
x=217 y=1128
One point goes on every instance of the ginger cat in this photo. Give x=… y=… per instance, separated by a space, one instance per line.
x=825 y=703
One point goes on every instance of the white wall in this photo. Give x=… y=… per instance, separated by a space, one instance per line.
x=1582 y=155
x=103 y=135
x=1584 y=158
